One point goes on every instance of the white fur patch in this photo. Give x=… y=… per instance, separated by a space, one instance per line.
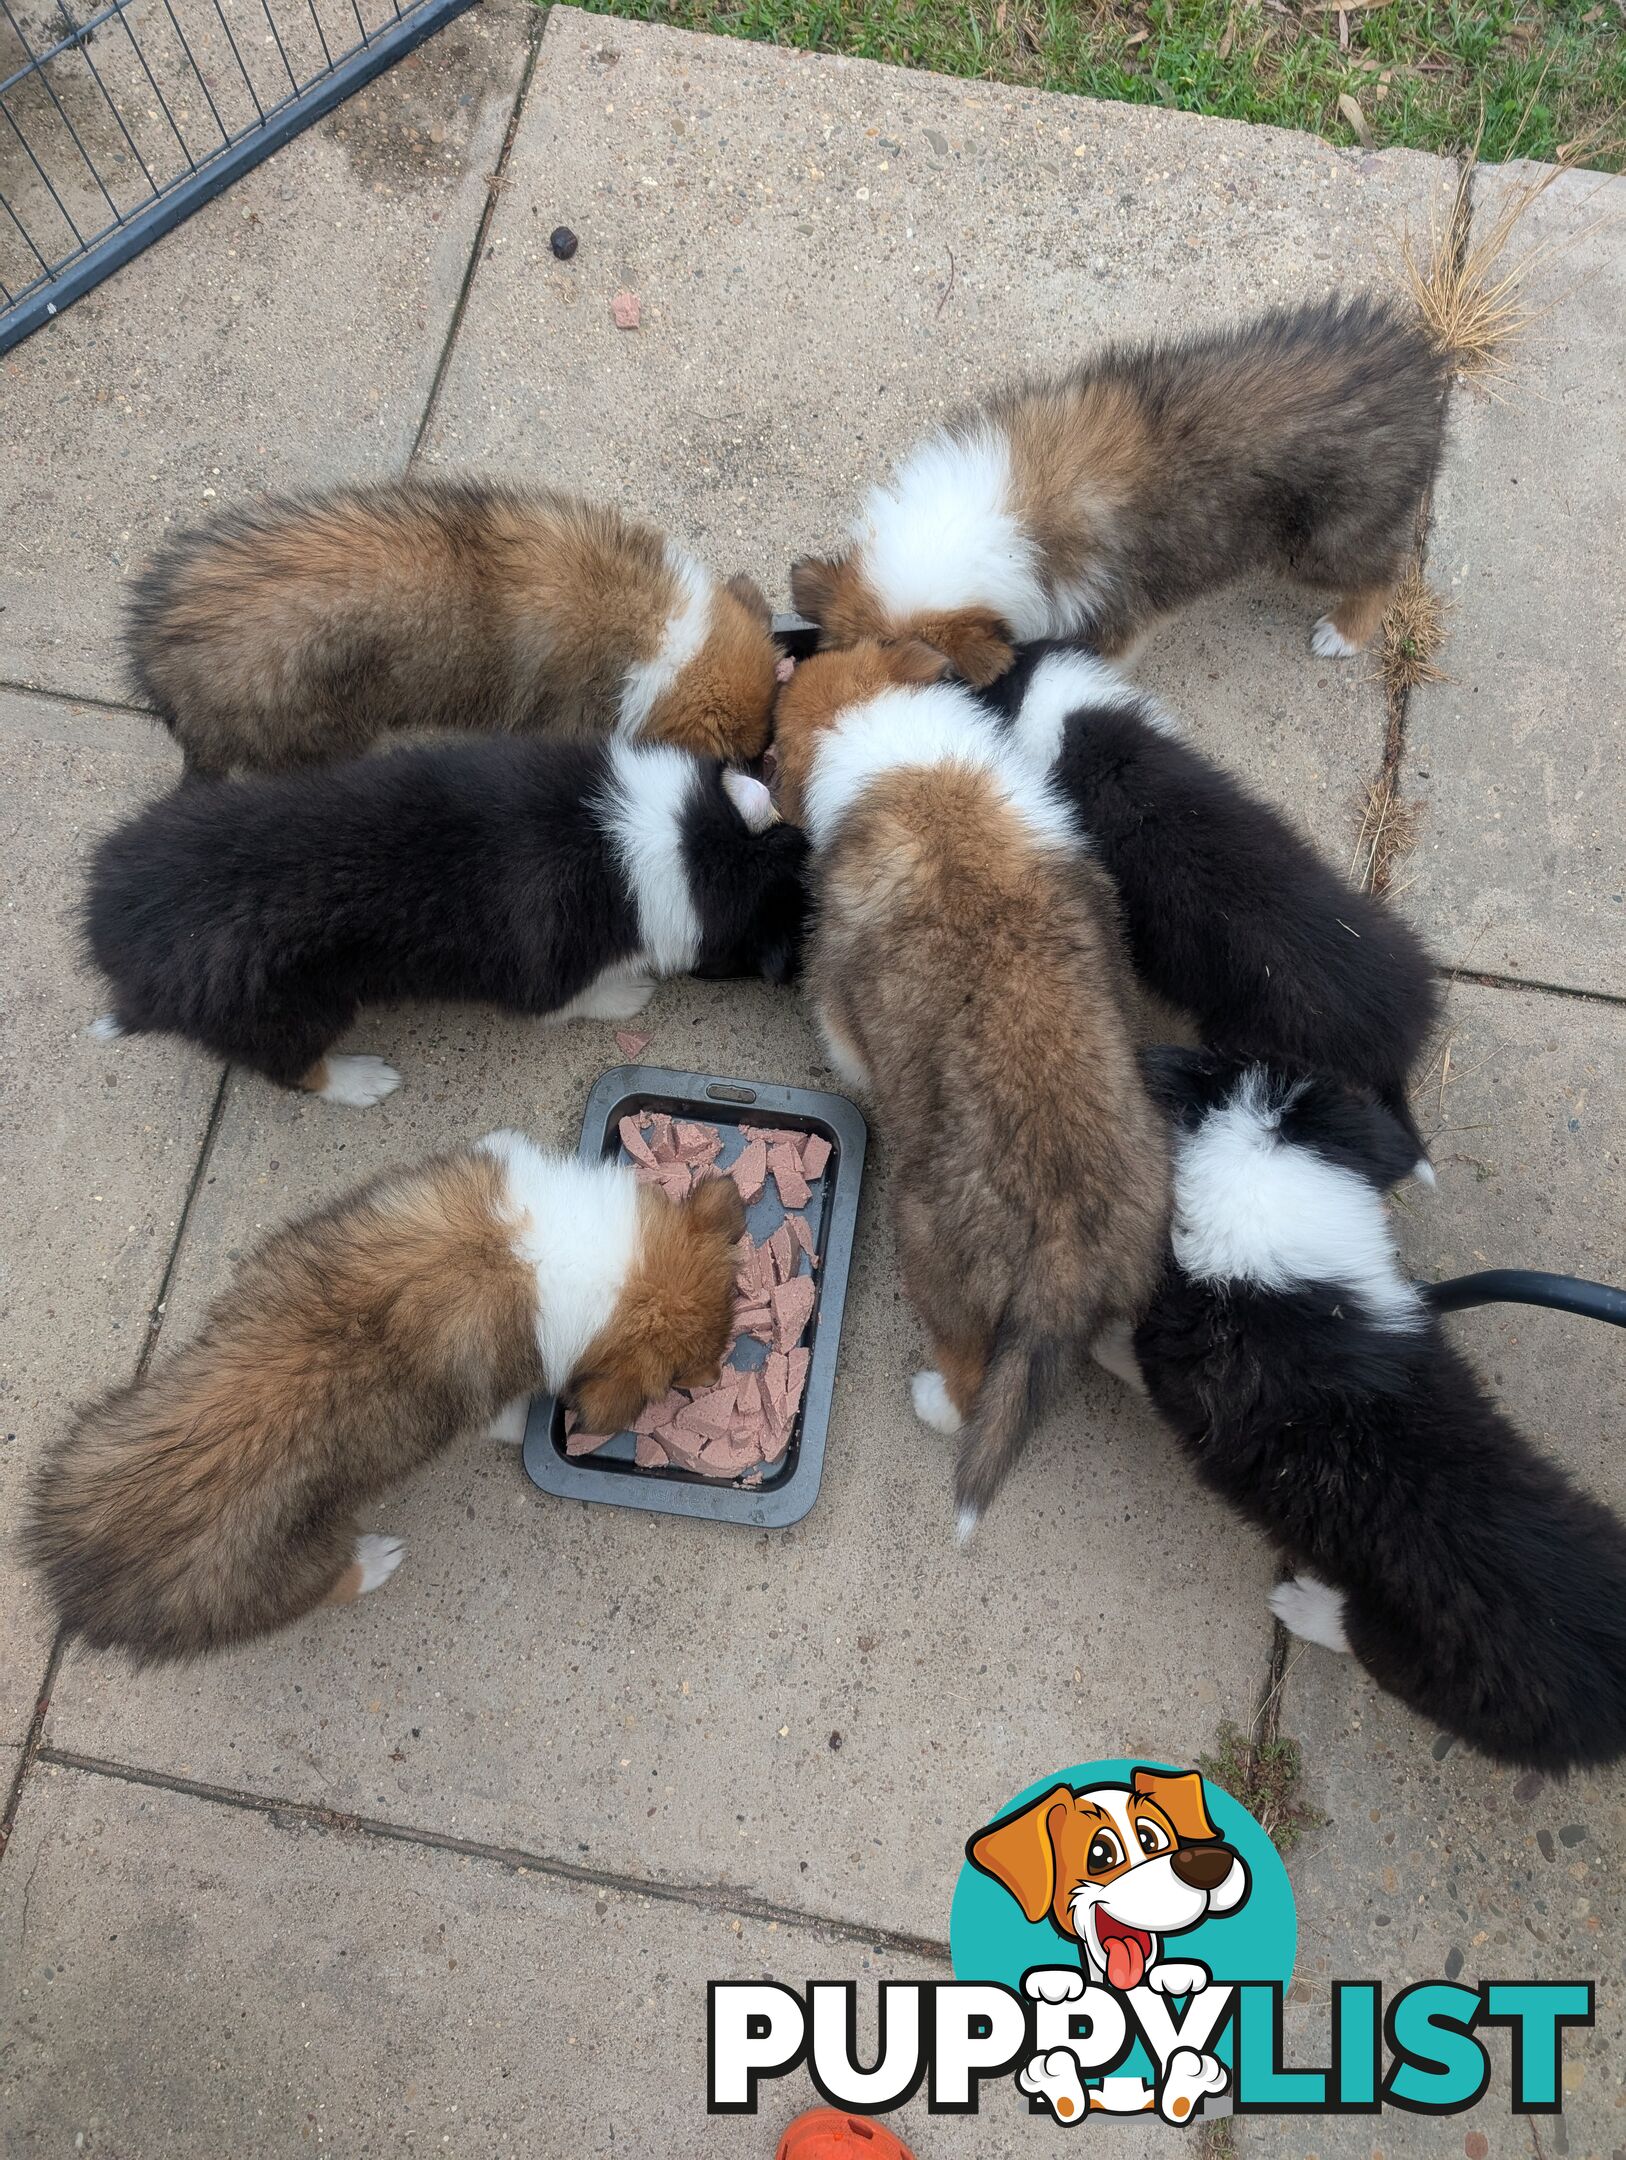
x=358 y=1082
x=1114 y=1351
x=940 y=535
x=1311 y=1610
x=642 y=813
x=841 y=1055
x=378 y=1557
x=1249 y=1206
x=575 y=1226
x=620 y=992
x=647 y=681
x=931 y=725
x=751 y=799
x=508 y=1425
x=106 y=1029
x=934 y=1406
x=965 y=1524
x=1064 y=683
x=1327 y=640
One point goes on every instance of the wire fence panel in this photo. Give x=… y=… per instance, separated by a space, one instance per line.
x=118 y=121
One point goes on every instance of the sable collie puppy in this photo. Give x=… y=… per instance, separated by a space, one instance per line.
x=968 y=973
x=302 y=628
x=1230 y=915
x=1318 y=1394
x=255 y=916
x=217 y=1498
x=1300 y=443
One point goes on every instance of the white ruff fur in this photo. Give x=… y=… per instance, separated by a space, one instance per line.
x=1065 y=683
x=940 y=535
x=642 y=812
x=1311 y=1610
x=935 y=725
x=1249 y=1206
x=575 y=1226
x=646 y=681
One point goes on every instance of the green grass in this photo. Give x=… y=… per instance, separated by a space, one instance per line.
x=1543 y=72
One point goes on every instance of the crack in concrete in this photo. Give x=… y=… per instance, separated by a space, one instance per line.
x=517 y=1860
x=1485 y=979
x=494 y=188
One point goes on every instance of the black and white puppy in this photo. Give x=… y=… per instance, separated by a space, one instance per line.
x=255 y=916
x=1316 y=1392
x=1230 y=914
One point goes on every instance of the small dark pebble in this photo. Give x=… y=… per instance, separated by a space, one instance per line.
x=1544 y=1838
x=835 y=1740
x=1443 y=1746
x=563 y=242
x=1572 y=1833
x=1528 y=1786
x=1453 y=1963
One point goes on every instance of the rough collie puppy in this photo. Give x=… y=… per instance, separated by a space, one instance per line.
x=1319 y=1395
x=1230 y=915
x=1303 y=442
x=255 y=916
x=302 y=628
x=968 y=972
x=217 y=1498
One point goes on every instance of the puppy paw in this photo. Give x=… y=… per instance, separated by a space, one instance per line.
x=378 y=1558
x=106 y=1029
x=1189 y=2077
x=928 y=1391
x=1177 y=1976
x=358 y=1082
x=751 y=799
x=1054 y=1984
x=1054 y=2079
x=1114 y=1351
x=1328 y=642
x=1311 y=1610
x=619 y=998
x=508 y=1425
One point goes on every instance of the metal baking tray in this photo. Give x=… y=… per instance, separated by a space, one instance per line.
x=790 y=1486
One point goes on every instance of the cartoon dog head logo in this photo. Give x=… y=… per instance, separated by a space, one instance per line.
x=1117 y=1868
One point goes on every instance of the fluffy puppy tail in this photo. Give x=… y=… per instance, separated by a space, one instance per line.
x=1020 y=1377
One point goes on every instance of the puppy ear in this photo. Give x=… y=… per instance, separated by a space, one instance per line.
x=813 y=583
x=750 y=596
x=980 y=643
x=917 y=662
x=715 y=1204
x=1019 y=1855
x=1180 y=1796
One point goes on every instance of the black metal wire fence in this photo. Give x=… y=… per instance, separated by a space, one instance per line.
x=117 y=123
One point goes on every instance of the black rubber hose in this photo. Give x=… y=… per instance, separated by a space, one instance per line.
x=1529 y=1286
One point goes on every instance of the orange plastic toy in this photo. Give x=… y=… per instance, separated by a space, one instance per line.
x=827 y=2134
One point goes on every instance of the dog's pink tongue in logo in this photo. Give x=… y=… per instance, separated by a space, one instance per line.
x=1126 y=1950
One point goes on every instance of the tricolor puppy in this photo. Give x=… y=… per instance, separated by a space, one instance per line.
x=1230 y=914
x=968 y=972
x=219 y=1497
x=1316 y=1392
x=303 y=628
x=255 y=916
x=1302 y=443
x=1118 y=1869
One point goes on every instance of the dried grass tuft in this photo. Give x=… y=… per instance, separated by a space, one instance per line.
x=1413 y=632
x=1473 y=304
x=1388 y=832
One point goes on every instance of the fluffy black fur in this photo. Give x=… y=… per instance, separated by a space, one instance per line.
x=1231 y=915
x=1480 y=1585
x=255 y=916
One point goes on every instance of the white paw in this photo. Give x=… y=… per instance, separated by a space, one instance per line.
x=1329 y=641
x=509 y=1423
x=1054 y=2079
x=928 y=1391
x=1054 y=1984
x=1176 y=1976
x=359 y=1082
x=1423 y=1171
x=1311 y=1610
x=612 y=997
x=106 y=1029
x=751 y=799
x=379 y=1557
x=1114 y=1351
x=1188 y=2078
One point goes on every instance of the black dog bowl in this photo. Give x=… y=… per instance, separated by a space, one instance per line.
x=789 y=1486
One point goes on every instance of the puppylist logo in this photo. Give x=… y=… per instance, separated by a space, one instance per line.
x=1122 y=1937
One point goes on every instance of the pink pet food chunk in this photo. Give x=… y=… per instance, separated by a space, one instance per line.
x=792 y=1310
x=782 y=1248
x=749 y=1171
x=631 y=1047
x=797 y=1226
x=786 y=1166
x=815 y=1156
x=635 y=1143
x=658 y=1126
x=648 y=1452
